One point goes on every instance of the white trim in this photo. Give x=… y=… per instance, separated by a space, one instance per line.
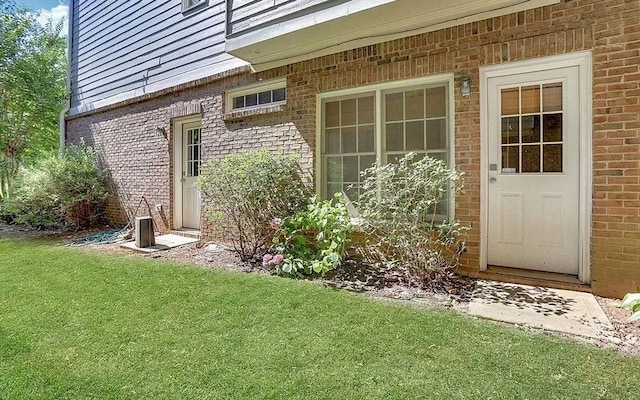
x=188 y=7
x=179 y=125
x=582 y=60
x=451 y=162
x=280 y=83
x=439 y=78
x=378 y=89
x=62 y=121
x=150 y=89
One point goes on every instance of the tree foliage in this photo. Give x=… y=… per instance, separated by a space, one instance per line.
x=32 y=89
x=67 y=190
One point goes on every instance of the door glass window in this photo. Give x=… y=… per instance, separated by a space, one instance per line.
x=531 y=129
x=193 y=152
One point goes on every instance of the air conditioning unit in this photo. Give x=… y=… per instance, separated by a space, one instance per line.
x=144 y=232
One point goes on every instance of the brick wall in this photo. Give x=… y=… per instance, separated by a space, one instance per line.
x=140 y=161
x=609 y=28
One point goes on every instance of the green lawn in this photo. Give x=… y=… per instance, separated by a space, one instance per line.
x=75 y=324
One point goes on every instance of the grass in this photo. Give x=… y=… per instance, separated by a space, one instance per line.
x=75 y=324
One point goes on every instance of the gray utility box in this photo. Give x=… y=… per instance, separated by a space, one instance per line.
x=144 y=232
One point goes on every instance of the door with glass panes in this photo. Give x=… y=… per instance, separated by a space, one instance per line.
x=534 y=170
x=191 y=139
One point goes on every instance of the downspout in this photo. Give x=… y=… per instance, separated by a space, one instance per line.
x=67 y=106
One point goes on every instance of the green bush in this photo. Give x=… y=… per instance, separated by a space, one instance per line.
x=312 y=241
x=33 y=201
x=403 y=208
x=67 y=191
x=245 y=192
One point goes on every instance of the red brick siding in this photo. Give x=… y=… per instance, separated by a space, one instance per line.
x=610 y=29
x=140 y=162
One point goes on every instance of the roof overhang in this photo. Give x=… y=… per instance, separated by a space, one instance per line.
x=357 y=23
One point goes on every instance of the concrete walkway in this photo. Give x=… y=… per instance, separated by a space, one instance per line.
x=163 y=242
x=565 y=311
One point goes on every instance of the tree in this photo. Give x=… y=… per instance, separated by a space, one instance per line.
x=32 y=89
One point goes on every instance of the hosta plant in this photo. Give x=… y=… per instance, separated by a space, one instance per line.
x=631 y=301
x=313 y=241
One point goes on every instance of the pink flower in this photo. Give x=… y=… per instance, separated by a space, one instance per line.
x=266 y=259
x=276 y=223
x=277 y=259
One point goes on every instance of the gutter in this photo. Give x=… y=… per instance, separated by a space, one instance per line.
x=67 y=106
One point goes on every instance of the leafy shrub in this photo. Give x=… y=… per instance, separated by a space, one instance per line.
x=247 y=191
x=312 y=241
x=33 y=200
x=631 y=301
x=402 y=207
x=64 y=191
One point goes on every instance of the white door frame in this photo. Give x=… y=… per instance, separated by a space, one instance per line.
x=583 y=61
x=177 y=166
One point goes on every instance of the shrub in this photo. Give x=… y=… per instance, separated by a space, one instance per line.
x=401 y=207
x=33 y=201
x=312 y=241
x=247 y=191
x=65 y=191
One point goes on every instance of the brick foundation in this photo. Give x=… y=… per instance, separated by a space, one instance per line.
x=140 y=162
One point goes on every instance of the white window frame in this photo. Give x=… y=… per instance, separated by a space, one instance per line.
x=186 y=6
x=378 y=89
x=255 y=88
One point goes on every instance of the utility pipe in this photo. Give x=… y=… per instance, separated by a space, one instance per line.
x=67 y=106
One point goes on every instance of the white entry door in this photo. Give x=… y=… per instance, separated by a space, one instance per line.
x=534 y=170
x=191 y=139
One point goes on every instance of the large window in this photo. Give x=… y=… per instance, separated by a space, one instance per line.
x=380 y=126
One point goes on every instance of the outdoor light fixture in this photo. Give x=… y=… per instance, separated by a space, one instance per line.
x=160 y=131
x=465 y=86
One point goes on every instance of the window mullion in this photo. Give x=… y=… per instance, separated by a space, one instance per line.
x=379 y=124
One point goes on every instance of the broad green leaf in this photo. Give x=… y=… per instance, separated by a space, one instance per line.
x=629 y=300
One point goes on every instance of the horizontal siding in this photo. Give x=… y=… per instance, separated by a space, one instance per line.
x=125 y=48
x=250 y=14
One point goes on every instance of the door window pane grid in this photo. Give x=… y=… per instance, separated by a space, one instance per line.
x=532 y=129
x=193 y=152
